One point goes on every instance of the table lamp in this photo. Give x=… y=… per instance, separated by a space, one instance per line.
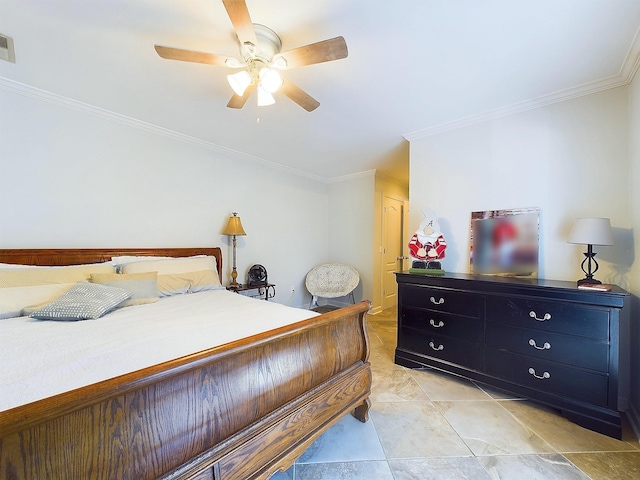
x=591 y=231
x=234 y=228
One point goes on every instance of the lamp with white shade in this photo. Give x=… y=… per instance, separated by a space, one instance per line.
x=590 y=232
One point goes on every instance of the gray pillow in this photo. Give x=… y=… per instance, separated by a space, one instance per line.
x=83 y=301
x=143 y=286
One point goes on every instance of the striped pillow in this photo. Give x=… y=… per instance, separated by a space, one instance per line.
x=83 y=301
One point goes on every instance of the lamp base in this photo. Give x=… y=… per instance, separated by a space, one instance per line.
x=589 y=266
x=234 y=273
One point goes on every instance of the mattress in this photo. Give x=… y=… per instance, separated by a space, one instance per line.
x=42 y=358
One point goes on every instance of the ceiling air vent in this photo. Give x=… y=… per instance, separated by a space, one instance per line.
x=7 y=51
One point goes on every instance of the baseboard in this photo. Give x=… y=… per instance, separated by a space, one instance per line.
x=338 y=304
x=634 y=419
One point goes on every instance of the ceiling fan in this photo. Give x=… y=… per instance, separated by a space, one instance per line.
x=262 y=60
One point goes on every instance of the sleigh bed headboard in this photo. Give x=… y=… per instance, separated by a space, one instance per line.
x=79 y=256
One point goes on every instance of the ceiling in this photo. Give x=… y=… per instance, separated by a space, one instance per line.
x=414 y=67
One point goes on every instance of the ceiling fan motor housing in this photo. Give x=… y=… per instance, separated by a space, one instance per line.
x=269 y=44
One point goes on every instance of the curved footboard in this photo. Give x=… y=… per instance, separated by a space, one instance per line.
x=241 y=411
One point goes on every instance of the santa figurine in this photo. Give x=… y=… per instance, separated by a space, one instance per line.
x=427 y=245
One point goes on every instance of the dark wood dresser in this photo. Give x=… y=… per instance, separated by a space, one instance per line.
x=544 y=340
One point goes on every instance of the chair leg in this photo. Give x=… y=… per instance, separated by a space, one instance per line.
x=314 y=299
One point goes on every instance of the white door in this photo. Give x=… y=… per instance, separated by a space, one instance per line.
x=392 y=245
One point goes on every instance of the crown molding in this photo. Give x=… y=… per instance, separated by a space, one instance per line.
x=388 y=178
x=632 y=60
x=352 y=176
x=624 y=77
x=59 y=100
x=516 y=108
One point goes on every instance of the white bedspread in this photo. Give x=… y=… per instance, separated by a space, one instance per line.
x=39 y=359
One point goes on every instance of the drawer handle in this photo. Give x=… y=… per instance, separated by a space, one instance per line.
x=546 y=345
x=547 y=316
x=544 y=376
x=438 y=348
x=440 y=301
x=432 y=322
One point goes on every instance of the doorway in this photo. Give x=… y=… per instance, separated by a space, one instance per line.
x=393 y=213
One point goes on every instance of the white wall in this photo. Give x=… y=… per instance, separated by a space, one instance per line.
x=351 y=203
x=634 y=180
x=577 y=158
x=72 y=179
x=569 y=159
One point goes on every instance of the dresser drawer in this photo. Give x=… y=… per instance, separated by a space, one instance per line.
x=441 y=348
x=559 y=317
x=585 y=386
x=442 y=300
x=556 y=347
x=466 y=329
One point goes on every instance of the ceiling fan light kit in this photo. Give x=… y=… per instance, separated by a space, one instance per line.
x=270 y=80
x=260 y=49
x=239 y=81
x=264 y=97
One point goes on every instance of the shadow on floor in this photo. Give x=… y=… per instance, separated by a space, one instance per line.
x=325 y=308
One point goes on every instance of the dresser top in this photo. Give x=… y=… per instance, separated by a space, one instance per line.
x=515 y=285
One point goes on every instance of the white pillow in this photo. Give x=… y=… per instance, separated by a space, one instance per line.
x=17 y=266
x=13 y=266
x=180 y=275
x=124 y=259
x=22 y=288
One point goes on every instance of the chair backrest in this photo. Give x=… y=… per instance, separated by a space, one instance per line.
x=332 y=280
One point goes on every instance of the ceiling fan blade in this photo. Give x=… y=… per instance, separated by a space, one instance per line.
x=238 y=101
x=191 y=56
x=241 y=20
x=325 y=51
x=299 y=96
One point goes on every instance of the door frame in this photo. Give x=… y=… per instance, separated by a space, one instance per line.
x=404 y=221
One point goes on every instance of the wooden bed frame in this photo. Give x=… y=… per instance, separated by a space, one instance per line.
x=184 y=418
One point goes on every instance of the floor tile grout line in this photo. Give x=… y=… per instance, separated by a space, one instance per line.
x=526 y=427
x=389 y=347
x=534 y=430
x=491 y=398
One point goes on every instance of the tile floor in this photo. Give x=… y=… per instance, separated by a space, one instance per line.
x=428 y=426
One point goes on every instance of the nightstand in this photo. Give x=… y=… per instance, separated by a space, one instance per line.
x=265 y=291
